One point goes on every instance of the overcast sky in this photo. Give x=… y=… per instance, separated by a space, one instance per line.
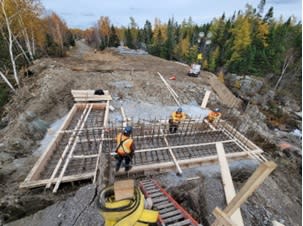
x=85 y=13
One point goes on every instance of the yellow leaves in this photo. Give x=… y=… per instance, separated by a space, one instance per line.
x=159 y=31
x=104 y=26
x=262 y=32
x=242 y=36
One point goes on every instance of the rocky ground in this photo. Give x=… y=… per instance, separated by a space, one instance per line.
x=132 y=81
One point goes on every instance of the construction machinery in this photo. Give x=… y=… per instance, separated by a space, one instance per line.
x=194 y=70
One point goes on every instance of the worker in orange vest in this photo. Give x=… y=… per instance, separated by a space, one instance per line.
x=176 y=118
x=125 y=149
x=214 y=116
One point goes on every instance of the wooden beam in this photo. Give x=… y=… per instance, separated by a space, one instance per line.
x=222 y=218
x=34 y=173
x=205 y=99
x=228 y=185
x=172 y=92
x=39 y=183
x=172 y=154
x=69 y=157
x=124 y=124
x=105 y=122
x=185 y=163
x=255 y=180
x=84 y=156
x=70 y=141
x=178 y=146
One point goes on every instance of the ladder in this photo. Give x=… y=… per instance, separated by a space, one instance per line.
x=170 y=212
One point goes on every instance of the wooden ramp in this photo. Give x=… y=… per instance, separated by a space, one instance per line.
x=225 y=95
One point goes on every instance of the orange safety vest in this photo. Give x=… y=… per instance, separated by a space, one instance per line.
x=213 y=116
x=124 y=144
x=178 y=117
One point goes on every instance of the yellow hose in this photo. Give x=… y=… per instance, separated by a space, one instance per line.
x=127 y=212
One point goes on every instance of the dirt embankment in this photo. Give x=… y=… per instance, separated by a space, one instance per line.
x=45 y=97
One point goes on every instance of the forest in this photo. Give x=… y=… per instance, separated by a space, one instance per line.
x=250 y=42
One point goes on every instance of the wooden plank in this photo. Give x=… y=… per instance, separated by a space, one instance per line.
x=178 y=146
x=84 y=156
x=88 y=92
x=124 y=189
x=172 y=154
x=172 y=92
x=275 y=223
x=99 y=98
x=254 y=181
x=205 y=99
x=186 y=162
x=69 y=157
x=39 y=183
x=66 y=149
x=105 y=125
x=124 y=124
x=222 y=218
x=228 y=185
x=34 y=173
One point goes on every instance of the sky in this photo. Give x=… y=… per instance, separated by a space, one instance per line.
x=85 y=13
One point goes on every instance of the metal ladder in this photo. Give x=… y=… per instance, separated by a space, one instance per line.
x=170 y=212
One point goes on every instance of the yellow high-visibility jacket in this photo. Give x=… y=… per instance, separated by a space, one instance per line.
x=124 y=145
x=178 y=117
x=213 y=116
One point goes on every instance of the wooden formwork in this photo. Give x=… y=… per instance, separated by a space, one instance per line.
x=72 y=155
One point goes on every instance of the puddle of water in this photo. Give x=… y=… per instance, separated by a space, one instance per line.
x=51 y=132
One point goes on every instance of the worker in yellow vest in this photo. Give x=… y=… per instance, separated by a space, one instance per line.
x=176 y=118
x=214 y=116
x=125 y=149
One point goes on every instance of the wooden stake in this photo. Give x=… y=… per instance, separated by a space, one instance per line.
x=205 y=99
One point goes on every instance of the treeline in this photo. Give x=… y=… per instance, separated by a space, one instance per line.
x=249 y=42
x=26 y=33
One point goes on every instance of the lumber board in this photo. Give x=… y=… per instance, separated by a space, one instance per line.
x=88 y=92
x=84 y=156
x=70 y=141
x=105 y=124
x=222 y=218
x=186 y=162
x=261 y=173
x=71 y=152
x=124 y=189
x=92 y=98
x=205 y=99
x=228 y=185
x=39 y=183
x=172 y=154
x=34 y=173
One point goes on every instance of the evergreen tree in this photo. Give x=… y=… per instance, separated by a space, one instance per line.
x=113 y=39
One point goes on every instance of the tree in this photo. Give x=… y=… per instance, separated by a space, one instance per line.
x=104 y=31
x=113 y=39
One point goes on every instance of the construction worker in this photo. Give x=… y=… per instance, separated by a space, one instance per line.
x=176 y=118
x=125 y=149
x=214 y=116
